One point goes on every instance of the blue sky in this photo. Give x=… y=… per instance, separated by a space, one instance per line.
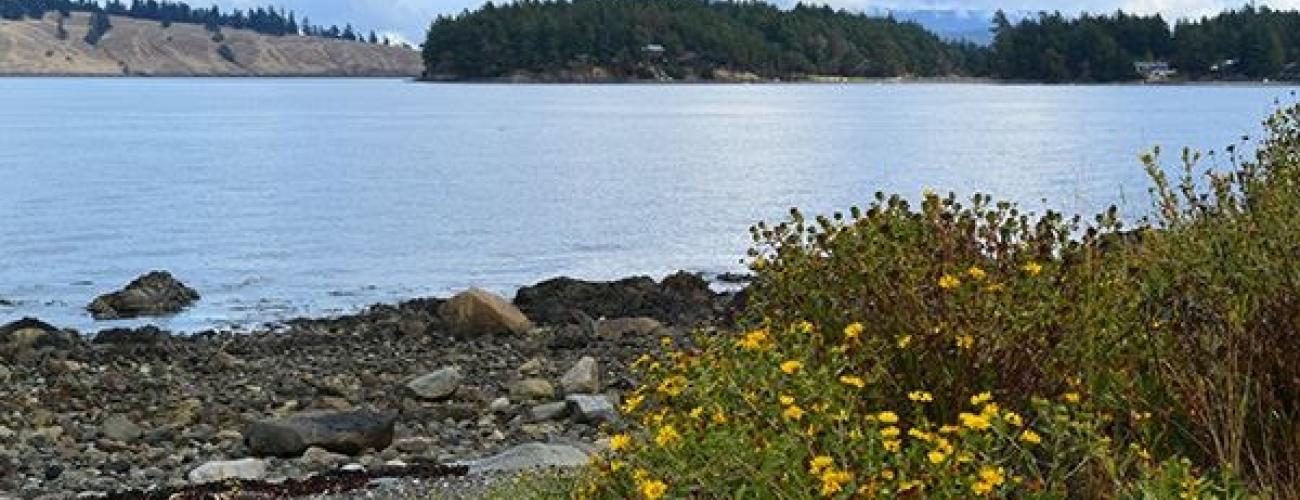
x=409 y=18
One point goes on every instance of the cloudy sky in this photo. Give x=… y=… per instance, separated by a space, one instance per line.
x=409 y=18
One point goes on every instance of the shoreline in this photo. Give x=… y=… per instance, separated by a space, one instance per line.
x=124 y=412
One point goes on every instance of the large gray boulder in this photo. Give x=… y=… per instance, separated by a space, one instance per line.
x=479 y=312
x=591 y=408
x=249 y=469
x=154 y=294
x=346 y=432
x=680 y=299
x=528 y=457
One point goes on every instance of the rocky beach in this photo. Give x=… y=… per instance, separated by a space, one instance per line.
x=427 y=397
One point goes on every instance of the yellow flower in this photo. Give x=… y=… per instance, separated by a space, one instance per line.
x=833 y=481
x=887 y=474
x=974 y=422
x=653 y=490
x=1071 y=397
x=995 y=288
x=667 y=436
x=672 y=386
x=887 y=417
x=936 y=457
x=820 y=463
x=976 y=273
x=904 y=341
x=920 y=396
x=993 y=475
x=965 y=341
x=793 y=412
x=803 y=327
x=620 y=442
x=949 y=282
x=718 y=416
x=1031 y=437
x=981 y=398
x=949 y=429
x=907 y=486
x=697 y=412
x=981 y=488
x=853 y=331
x=1032 y=268
x=853 y=381
x=990 y=410
x=1013 y=418
x=890 y=432
x=786 y=400
x=756 y=340
x=632 y=402
x=790 y=367
x=892 y=445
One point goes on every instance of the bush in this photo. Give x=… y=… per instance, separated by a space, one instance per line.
x=970 y=350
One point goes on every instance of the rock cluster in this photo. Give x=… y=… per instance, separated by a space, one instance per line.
x=396 y=384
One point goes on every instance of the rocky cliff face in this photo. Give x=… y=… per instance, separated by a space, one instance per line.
x=140 y=47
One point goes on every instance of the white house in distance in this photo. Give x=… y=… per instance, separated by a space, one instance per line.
x=1155 y=71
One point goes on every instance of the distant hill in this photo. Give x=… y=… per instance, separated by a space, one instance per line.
x=143 y=47
x=594 y=40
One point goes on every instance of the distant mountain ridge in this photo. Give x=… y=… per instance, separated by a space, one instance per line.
x=54 y=45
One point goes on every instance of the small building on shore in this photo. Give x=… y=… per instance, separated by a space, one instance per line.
x=1155 y=71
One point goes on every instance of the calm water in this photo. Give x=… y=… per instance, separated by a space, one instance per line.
x=281 y=198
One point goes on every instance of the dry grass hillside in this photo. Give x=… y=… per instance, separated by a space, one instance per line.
x=140 y=47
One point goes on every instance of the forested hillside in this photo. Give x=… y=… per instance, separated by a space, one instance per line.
x=710 y=39
x=1249 y=43
x=683 y=39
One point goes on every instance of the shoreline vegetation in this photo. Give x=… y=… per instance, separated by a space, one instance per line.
x=968 y=350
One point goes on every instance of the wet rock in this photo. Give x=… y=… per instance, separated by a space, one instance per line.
x=528 y=457
x=250 y=469
x=592 y=408
x=154 y=294
x=438 y=385
x=532 y=389
x=582 y=378
x=682 y=298
x=478 y=312
x=126 y=336
x=121 y=428
x=548 y=411
x=347 y=432
x=616 y=329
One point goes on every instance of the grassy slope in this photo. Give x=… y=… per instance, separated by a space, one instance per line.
x=139 y=47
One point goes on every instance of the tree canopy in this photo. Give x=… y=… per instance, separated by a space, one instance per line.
x=684 y=37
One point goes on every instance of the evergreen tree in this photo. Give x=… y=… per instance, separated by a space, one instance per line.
x=99 y=26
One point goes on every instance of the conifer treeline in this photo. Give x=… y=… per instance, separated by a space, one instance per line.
x=1250 y=42
x=698 y=37
x=264 y=20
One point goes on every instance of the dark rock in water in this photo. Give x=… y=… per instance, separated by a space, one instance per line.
x=154 y=294
x=142 y=335
x=29 y=334
x=682 y=298
x=347 y=432
x=7 y=303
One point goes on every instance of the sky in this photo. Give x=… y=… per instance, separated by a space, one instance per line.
x=408 y=19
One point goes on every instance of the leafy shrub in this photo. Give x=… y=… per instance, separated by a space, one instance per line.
x=974 y=350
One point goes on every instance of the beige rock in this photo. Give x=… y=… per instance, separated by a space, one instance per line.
x=480 y=312
x=614 y=329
